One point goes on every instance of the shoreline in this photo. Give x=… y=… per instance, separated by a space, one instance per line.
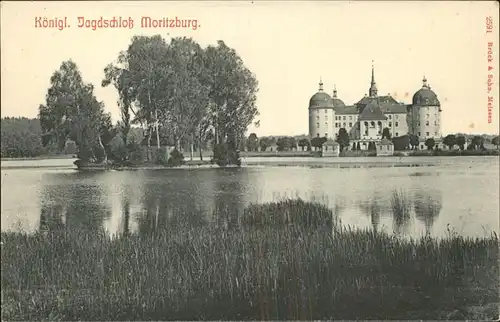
x=303 y=154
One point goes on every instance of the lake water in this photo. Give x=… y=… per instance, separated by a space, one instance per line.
x=456 y=193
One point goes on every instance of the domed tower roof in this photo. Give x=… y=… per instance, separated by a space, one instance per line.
x=337 y=102
x=321 y=99
x=425 y=96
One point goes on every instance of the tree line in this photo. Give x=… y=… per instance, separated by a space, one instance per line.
x=177 y=92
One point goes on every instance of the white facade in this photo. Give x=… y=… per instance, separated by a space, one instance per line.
x=366 y=120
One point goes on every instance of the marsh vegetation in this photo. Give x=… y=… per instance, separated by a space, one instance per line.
x=285 y=260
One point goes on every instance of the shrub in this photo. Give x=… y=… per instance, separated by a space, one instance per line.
x=161 y=156
x=225 y=155
x=289 y=212
x=176 y=158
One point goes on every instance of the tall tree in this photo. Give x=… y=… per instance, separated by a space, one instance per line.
x=233 y=89
x=119 y=76
x=187 y=95
x=73 y=112
x=150 y=73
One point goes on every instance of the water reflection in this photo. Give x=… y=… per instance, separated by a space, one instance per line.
x=145 y=201
x=52 y=217
x=170 y=207
x=373 y=210
x=229 y=199
x=427 y=206
x=400 y=202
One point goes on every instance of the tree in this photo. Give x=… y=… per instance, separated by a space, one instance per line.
x=264 y=143
x=252 y=142
x=460 y=140
x=150 y=72
x=119 y=76
x=317 y=143
x=450 y=140
x=496 y=141
x=401 y=142
x=304 y=144
x=286 y=143
x=21 y=137
x=343 y=138
x=477 y=143
x=232 y=92
x=386 y=133
x=429 y=143
x=414 y=140
x=73 y=112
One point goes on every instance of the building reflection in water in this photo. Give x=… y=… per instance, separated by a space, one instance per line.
x=373 y=210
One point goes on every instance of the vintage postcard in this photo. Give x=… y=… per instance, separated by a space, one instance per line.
x=250 y=160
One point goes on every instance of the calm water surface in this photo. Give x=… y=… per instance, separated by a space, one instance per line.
x=460 y=194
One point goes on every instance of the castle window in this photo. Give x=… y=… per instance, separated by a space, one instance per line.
x=326 y=135
x=350 y=124
x=418 y=123
x=435 y=123
x=427 y=133
x=397 y=134
x=396 y=124
x=317 y=124
x=366 y=124
x=418 y=133
x=317 y=117
x=326 y=117
x=390 y=117
x=427 y=123
x=372 y=124
x=343 y=118
x=397 y=117
x=326 y=111
x=350 y=118
x=343 y=125
x=326 y=123
x=427 y=115
x=390 y=123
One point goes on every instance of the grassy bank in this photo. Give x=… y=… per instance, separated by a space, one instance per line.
x=282 y=268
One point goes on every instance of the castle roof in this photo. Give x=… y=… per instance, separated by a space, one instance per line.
x=372 y=112
x=425 y=96
x=342 y=110
x=321 y=99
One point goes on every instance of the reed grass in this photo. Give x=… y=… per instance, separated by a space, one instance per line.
x=264 y=273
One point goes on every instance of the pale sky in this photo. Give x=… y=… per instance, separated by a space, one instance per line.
x=288 y=45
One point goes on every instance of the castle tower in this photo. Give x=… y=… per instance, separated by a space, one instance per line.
x=321 y=114
x=426 y=113
x=373 y=86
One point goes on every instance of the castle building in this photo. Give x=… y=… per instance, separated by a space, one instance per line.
x=366 y=120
